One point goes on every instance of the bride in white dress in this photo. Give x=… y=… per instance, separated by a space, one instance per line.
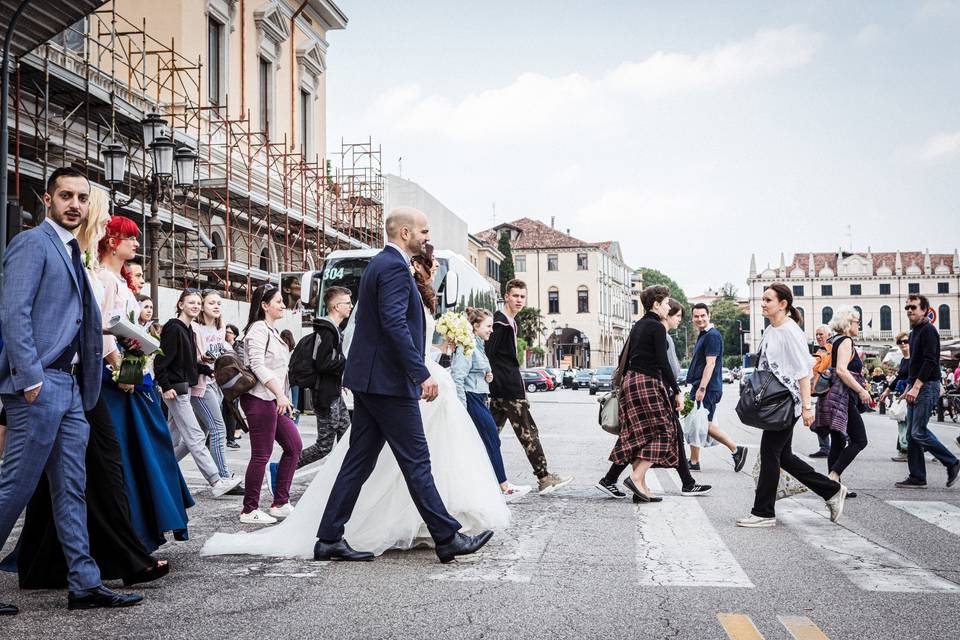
x=385 y=516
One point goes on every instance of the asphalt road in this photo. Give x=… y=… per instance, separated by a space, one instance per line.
x=578 y=565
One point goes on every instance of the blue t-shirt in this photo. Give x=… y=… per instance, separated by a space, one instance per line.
x=709 y=343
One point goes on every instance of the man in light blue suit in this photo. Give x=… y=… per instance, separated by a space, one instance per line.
x=50 y=372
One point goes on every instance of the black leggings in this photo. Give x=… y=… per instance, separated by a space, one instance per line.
x=613 y=474
x=843 y=452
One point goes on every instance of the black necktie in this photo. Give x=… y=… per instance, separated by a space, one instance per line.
x=77 y=265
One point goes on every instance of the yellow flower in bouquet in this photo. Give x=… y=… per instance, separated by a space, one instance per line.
x=454 y=327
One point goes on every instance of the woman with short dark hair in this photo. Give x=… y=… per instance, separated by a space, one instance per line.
x=785 y=354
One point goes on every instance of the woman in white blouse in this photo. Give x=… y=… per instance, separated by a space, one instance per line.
x=784 y=352
x=267 y=407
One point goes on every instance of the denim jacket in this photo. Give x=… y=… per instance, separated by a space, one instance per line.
x=469 y=372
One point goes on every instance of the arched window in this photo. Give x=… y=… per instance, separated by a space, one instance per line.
x=943 y=317
x=826 y=315
x=859 y=313
x=886 y=323
x=803 y=316
x=265 y=259
x=216 y=253
x=553 y=300
x=583 y=300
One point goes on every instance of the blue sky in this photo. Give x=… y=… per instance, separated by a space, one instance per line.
x=694 y=133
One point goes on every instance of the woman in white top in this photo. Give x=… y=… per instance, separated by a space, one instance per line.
x=267 y=407
x=784 y=353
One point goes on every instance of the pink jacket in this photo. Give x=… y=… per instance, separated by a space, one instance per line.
x=268 y=357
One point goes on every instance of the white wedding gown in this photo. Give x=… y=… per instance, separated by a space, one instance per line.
x=385 y=516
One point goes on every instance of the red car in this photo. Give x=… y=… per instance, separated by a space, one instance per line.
x=534 y=380
x=551 y=381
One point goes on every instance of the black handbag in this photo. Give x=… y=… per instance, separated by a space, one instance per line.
x=766 y=403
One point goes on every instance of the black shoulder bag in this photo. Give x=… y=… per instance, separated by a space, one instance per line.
x=766 y=403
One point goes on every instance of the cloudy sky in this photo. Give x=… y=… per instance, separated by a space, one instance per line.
x=694 y=133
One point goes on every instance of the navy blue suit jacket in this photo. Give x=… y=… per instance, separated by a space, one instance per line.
x=387 y=352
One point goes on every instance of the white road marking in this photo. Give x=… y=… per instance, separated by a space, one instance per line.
x=942 y=514
x=678 y=546
x=870 y=566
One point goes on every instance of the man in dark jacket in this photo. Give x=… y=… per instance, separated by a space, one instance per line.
x=508 y=400
x=328 y=405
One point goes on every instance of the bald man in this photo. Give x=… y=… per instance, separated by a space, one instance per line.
x=386 y=370
x=824 y=359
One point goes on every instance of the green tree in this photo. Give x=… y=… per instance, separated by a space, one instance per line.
x=725 y=313
x=506 y=266
x=530 y=324
x=685 y=332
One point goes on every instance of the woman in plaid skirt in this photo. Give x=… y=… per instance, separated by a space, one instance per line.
x=647 y=394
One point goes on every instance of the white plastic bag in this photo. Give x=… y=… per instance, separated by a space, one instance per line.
x=898 y=410
x=695 y=427
x=787 y=486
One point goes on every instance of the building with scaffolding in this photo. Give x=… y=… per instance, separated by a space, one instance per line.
x=240 y=81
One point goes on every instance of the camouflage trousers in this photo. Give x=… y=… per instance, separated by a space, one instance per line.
x=331 y=425
x=518 y=413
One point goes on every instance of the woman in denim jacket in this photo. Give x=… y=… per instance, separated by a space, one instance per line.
x=472 y=375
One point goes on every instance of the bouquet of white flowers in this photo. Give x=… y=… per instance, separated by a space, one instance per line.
x=454 y=327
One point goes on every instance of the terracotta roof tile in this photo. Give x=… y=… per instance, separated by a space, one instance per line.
x=537 y=235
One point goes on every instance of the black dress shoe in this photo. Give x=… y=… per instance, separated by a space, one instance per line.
x=8 y=610
x=101 y=598
x=819 y=454
x=639 y=496
x=155 y=572
x=339 y=550
x=462 y=545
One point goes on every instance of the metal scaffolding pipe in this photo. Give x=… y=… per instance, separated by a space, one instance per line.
x=5 y=138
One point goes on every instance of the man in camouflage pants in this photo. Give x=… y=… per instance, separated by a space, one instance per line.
x=508 y=400
x=333 y=419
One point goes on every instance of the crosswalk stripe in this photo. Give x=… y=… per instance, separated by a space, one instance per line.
x=870 y=566
x=677 y=545
x=802 y=628
x=942 y=514
x=739 y=626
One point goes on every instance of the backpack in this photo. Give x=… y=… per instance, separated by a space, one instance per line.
x=233 y=377
x=302 y=372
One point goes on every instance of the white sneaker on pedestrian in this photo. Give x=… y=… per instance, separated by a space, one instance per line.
x=281 y=511
x=515 y=492
x=835 y=504
x=551 y=482
x=756 y=522
x=256 y=517
x=223 y=485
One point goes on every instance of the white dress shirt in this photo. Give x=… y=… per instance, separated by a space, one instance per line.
x=65 y=237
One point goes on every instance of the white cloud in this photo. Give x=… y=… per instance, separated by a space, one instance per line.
x=870 y=35
x=535 y=104
x=933 y=9
x=940 y=145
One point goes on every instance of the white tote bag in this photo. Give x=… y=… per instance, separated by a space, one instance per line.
x=695 y=427
x=898 y=410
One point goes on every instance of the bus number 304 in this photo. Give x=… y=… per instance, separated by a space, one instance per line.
x=333 y=273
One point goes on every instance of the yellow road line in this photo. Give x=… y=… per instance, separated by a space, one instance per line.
x=802 y=628
x=739 y=626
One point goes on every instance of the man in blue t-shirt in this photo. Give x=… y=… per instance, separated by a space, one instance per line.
x=705 y=377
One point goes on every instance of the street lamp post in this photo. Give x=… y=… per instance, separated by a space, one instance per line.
x=173 y=168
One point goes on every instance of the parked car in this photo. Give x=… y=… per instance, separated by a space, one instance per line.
x=682 y=378
x=568 y=376
x=582 y=378
x=728 y=376
x=745 y=374
x=551 y=381
x=557 y=375
x=602 y=380
x=534 y=381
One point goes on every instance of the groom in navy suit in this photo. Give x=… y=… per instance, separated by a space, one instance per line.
x=388 y=376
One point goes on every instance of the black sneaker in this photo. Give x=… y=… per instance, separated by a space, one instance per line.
x=819 y=454
x=911 y=483
x=739 y=458
x=236 y=491
x=952 y=473
x=692 y=466
x=233 y=445
x=610 y=489
x=696 y=490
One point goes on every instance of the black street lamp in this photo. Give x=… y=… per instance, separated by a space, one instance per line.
x=174 y=168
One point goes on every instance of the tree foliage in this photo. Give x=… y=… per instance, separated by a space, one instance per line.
x=725 y=313
x=729 y=291
x=652 y=277
x=530 y=324
x=506 y=266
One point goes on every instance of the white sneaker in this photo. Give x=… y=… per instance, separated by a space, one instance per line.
x=282 y=511
x=515 y=492
x=756 y=522
x=835 y=504
x=224 y=485
x=256 y=517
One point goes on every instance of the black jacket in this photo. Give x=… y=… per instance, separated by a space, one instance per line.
x=648 y=350
x=924 y=354
x=328 y=363
x=501 y=350
x=178 y=364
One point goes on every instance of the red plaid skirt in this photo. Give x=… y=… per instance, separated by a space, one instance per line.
x=647 y=423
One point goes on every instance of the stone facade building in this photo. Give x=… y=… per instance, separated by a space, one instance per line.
x=876 y=283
